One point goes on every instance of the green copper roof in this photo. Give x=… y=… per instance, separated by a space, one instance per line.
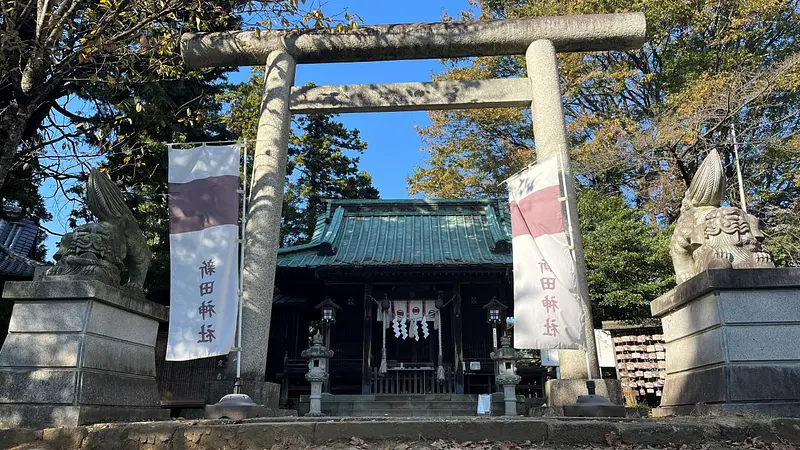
x=383 y=233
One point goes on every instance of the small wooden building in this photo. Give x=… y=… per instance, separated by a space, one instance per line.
x=395 y=258
x=18 y=241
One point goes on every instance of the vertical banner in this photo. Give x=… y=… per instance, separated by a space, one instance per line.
x=547 y=309
x=204 y=248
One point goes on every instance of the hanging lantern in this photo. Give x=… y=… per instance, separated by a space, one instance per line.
x=494 y=311
x=328 y=309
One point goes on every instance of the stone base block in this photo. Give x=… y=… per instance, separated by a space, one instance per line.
x=33 y=416
x=731 y=343
x=558 y=411
x=789 y=409
x=594 y=411
x=262 y=392
x=594 y=406
x=236 y=412
x=566 y=392
x=78 y=352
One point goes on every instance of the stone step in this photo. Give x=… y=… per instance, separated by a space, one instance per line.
x=421 y=412
x=393 y=397
x=404 y=405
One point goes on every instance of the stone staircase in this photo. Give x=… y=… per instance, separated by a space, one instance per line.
x=402 y=405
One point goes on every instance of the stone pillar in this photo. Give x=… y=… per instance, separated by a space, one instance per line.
x=78 y=352
x=318 y=357
x=264 y=218
x=550 y=136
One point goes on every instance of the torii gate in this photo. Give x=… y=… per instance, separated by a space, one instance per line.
x=538 y=38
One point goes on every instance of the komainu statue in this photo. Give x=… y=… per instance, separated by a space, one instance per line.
x=709 y=236
x=105 y=249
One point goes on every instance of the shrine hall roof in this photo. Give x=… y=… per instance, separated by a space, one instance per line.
x=384 y=233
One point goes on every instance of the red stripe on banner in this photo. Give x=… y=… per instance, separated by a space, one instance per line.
x=203 y=203
x=538 y=214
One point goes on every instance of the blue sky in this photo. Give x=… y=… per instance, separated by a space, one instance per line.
x=394 y=145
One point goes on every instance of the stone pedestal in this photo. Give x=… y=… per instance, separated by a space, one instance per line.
x=733 y=343
x=315 y=399
x=566 y=392
x=510 y=399
x=78 y=352
x=262 y=392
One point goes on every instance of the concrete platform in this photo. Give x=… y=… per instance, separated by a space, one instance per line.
x=298 y=432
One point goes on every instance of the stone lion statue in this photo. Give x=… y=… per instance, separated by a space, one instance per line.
x=709 y=236
x=103 y=250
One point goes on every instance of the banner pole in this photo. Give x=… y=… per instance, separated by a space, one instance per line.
x=566 y=205
x=238 y=383
x=588 y=367
x=589 y=382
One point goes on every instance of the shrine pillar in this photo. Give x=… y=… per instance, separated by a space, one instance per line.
x=550 y=137
x=458 y=342
x=366 y=356
x=264 y=217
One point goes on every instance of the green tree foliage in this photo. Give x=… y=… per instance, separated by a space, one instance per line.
x=628 y=260
x=323 y=161
x=321 y=164
x=640 y=121
x=78 y=72
x=321 y=169
x=141 y=170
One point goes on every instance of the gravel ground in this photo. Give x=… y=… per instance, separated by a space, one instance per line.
x=358 y=444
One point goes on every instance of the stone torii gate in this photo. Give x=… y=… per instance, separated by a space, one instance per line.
x=279 y=51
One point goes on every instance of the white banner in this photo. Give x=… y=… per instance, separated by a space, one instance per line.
x=547 y=309
x=204 y=249
x=409 y=318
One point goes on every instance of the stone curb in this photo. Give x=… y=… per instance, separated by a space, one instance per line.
x=260 y=434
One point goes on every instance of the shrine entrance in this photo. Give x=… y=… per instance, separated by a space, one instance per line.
x=406 y=277
x=414 y=334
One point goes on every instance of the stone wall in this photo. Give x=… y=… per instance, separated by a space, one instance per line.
x=298 y=432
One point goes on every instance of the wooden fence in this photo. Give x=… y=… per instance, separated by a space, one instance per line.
x=412 y=381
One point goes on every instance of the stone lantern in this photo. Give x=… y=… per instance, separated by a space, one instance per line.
x=506 y=358
x=495 y=316
x=318 y=357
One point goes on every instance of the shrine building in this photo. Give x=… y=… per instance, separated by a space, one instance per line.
x=439 y=272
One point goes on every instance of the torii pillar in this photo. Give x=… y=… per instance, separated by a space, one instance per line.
x=539 y=38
